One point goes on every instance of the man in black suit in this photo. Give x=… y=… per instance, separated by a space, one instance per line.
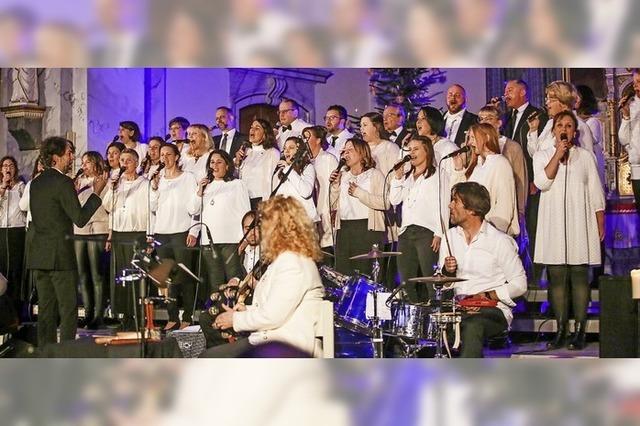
x=519 y=110
x=393 y=118
x=230 y=139
x=55 y=209
x=457 y=118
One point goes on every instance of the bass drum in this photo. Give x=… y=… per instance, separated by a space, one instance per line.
x=349 y=344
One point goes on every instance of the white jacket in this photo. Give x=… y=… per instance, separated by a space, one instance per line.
x=286 y=304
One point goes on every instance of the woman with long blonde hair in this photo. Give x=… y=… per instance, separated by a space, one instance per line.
x=200 y=145
x=287 y=297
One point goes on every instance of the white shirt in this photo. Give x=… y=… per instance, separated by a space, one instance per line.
x=584 y=197
x=224 y=204
x=452 y=123
x=99 y=222
x=385 y=155
x=324 y=164
x=629 y=135
x=351 y=208
x=489 y=262
x=230 y=134
x=11 y=216
x=496 y=174
x=299 y=187
x=441 y=149
x=141 y=149
x=520 y=110
x=172 y=214
x=256 y=170
x=419 y=198
x=196 y=166
x=251 y=257
x=131 y=209
x=393 y=137
x=24 y=202
x=343 y=137
x=297 y=126
x=285 y=304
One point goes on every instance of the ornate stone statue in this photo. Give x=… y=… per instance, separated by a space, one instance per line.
x=25 y=86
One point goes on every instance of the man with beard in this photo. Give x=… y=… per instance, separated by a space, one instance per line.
x=457 y=118
x=55 y=209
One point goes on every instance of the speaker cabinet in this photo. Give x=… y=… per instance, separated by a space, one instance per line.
x=618 y=318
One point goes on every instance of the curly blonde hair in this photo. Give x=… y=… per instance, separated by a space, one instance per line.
x=286 y=226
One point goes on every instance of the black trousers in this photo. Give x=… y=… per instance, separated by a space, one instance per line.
x=91 y=276
x=218 y=270
x=478 y=327
x=417 y=257
x=12 y=242
x=123 y=294
x=57 y=295
x=531 y=218
x=212 y=335
x=354 y=238
x=183 y=287
x=230 y=350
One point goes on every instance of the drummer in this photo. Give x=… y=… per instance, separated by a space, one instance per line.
x=488 y=260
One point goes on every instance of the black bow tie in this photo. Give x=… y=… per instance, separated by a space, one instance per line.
x=285 y=128
x=393 y=133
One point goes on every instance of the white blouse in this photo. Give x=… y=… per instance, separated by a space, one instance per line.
x=130 y=210
x=172 y=214
x=419 y=198
x=385 y=155
x=350 y=207
x=324 y=163
x=257 y=169
x=223 y=206
x=11 y=216
x=99 y=222
x=299 y=187
x=196 y=166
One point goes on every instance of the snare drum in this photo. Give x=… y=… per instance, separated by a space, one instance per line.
x=333 y=282
x=411 y=321
x=351 y=308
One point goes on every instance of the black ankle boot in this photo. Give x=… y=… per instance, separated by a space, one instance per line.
x=561 y=336
x=579 y=338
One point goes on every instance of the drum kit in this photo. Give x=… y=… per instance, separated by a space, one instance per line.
x=363 y=325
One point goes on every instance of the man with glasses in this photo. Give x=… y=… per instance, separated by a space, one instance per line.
x=290 y=124
x=178 y=132
x=393 y=118
x=335 y=120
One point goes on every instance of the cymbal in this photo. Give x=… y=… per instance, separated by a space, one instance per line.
x=376 y=254
x=436 y=279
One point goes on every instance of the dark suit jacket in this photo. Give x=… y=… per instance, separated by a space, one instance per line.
x=522 y=130
x=403 y=134
x=55 y=208
x=468 y=118
x=238 y=138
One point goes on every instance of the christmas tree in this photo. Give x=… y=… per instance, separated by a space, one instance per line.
x=409 y=87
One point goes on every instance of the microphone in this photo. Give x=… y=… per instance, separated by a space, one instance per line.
x=341 y=164
x=279 y=167
x=457 y=152
x=209 y=178
x=78 y=174
x=160 y=167
x=395 y=292
x=116 y=138
x=401 y=162
x=624 y=100
x=213 y=251
x=564 y=138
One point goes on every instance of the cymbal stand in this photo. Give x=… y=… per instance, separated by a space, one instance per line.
x=378 y=344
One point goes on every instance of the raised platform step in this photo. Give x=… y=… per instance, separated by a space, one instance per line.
x=548 y=325
x=540 y=295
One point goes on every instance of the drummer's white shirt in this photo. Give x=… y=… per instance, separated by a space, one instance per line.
x=489 y=262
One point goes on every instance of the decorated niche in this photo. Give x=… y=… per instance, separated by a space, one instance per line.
x=256 y=92
x=24 y=114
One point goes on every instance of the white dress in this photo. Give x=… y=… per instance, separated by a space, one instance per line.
x=584 y=197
